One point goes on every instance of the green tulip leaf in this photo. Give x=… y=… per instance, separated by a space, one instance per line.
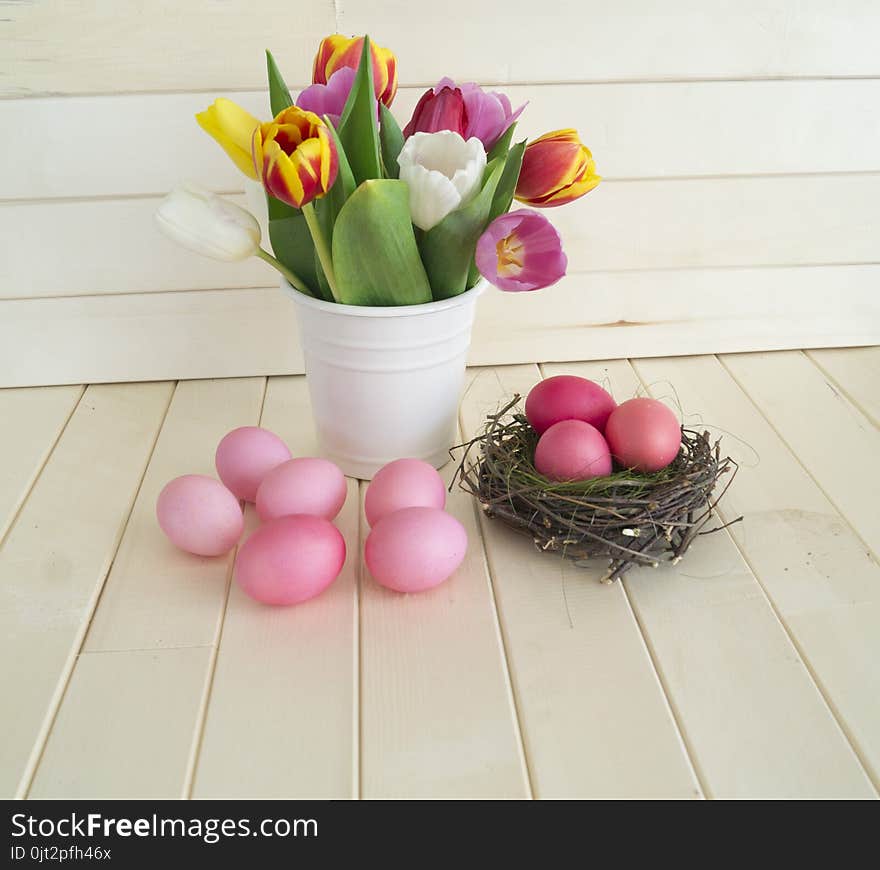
x=391 y=141
x=448 y=248
x=329 y=206
x=375 y=254
x=324 y=291
x=358 y=130
x=503 y=197
x=502 y=146
x=279 y=95
x=292 y=243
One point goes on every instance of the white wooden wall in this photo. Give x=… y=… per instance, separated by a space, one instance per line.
x=740 y=145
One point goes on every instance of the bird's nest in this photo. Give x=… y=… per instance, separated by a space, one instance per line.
x=628 y=517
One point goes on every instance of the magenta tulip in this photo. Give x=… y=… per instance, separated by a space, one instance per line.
x=521 y=251
x=440 y=108
x=484 y=114
x=328 y=99
x=489 y=112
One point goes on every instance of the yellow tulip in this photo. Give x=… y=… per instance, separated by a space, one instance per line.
x=233 y=129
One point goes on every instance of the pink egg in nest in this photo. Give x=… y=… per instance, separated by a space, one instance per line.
x=290 y=559
x=415 y=548
x=307 y=485
x=200 y=515
x=245 y=456
x=643 y=434
x=572 y=450
x=568 y=397
x=401 y=484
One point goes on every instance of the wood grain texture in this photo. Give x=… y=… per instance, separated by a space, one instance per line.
x=282 y=721
x=822 y=583
x=855 y=371
x=32 y=422
x=112 y=246
x=57 y=555
x=806 y=127
x=730 y=671
x=437 y=715
x=594 y=718
x=157 y=596
x=86 y=47
x=226 y=333
x=137 y=748
x=80 y=46
x=831 y=437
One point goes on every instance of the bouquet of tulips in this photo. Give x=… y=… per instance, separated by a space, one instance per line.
x=364 y=213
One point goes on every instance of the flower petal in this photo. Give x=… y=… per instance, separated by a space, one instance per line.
x=208 y=224
x=432 y=195
x=231 y=127
x=521 y=251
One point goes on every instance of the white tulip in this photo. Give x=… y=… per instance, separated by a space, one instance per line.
x=208 y=224
x=443 y=171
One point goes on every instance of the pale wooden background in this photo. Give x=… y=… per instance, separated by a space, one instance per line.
x=740 y=144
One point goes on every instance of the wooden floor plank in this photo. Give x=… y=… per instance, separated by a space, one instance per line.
x=836 y=443
x=437 y=715
x=751 y=714
x=56 y=557
x=158 y=598
x=107 y=736
x=282 y=720
x=815 y=570
x=594 y=717
x=32 y=420
x=156 y=595
x=855 y=370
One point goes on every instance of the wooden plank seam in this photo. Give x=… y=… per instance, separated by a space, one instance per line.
x=832 y=709
x=199 y=730
x=42 y=736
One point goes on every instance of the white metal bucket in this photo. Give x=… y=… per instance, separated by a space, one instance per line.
x=385 y=383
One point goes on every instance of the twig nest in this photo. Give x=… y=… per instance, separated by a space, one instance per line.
x=628 y=517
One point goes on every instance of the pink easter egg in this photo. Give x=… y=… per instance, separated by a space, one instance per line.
x=643 y=434
x=200 y=515
x=403 y=483
x=245 y=456
x=307 y=485
x=415 y=548
x=290 y=559
x=572 y=450
x=568 y=397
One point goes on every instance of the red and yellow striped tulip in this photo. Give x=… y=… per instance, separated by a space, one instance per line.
x=338 y=51
x=557 y=168
x=295 y=156
x=233 y=129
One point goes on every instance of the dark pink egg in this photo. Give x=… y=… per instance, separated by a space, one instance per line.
x=568 y=397
x=643 y=434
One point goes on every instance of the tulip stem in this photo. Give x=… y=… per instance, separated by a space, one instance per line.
x=321 y=247
x=291 y=276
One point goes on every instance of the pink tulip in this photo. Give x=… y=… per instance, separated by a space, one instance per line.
x=440 y=108
x=328 y=99
x=489 y=112
x=521 y=251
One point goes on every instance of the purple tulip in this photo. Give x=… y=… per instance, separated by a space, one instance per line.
x=328 y=99
x=520 y=251
x=489 y=113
